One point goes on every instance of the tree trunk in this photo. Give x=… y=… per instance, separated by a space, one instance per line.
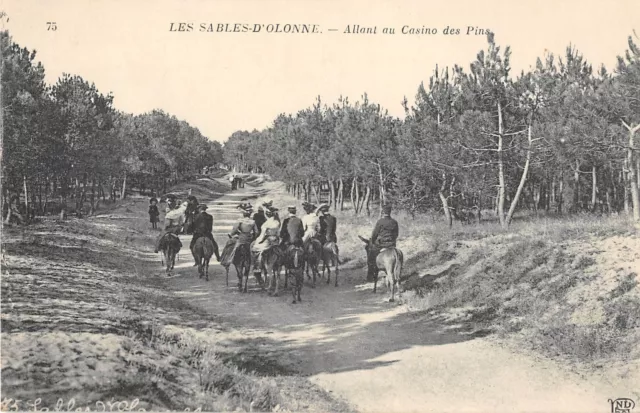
x=46 y=200
x=93 y=197
x=341 y=193
x=553 y=192
x=632 y=177
x=332 y=189
x=6 y=200
x=367 y=195
x=112 y=191
x=627 y=199
x=594 y=187
x=316 y=190
x=614 y=188
x=501 y=182
x=576 y=187
x=523 y=178
x=445 y=201
x=361 y=199
x=9 y=212
x=357 y=204
x=124 y=186
x=353 y=197
x=83 y=195
x=382 y=191
x=63 y=208
x=26 y=197
x=560 y=194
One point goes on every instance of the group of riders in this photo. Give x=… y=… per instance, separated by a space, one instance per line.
x=263 y=229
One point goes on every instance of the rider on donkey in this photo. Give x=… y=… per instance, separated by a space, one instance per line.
x=174 y=221
x=291 y=231
x=384 y=235
x=203 y=227
x=327 y=225
x=259 y=217
x=310 y=222
x=243 y=232
x=268 y=236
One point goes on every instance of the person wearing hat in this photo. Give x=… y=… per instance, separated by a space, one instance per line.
x=173 y=222
x=291 y=231
x=385 y=233
x=171 y=202
x=327 y=225
x=190 y=213
x=154 y=213
x=310 y=222
x=203 y=227
x=259 y=217
x=243 y=232
x=268 y=236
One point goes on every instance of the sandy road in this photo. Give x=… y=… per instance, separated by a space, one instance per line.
x=377 y=356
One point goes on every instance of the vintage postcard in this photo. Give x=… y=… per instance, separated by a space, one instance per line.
x=320 y=206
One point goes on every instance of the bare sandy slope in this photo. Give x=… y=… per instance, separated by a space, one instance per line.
x=378 y=356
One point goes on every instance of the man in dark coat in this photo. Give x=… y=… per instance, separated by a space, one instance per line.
x=292 y=231
x=190 y=213
x=203 y=227
x=384 y=235
x=259 y=217
x=328 y=225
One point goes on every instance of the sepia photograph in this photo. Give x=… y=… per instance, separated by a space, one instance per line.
x=320 y=206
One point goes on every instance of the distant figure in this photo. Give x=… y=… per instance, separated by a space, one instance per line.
x=154 y=214
x=234 y=184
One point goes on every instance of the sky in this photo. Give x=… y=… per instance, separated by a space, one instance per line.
x=221 y=82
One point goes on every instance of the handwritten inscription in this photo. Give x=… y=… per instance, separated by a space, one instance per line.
x=14 y=405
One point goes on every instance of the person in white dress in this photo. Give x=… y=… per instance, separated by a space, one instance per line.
x=269 y=236
x=310 y=222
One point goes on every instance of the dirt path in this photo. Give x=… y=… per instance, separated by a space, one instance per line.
x=377 y=356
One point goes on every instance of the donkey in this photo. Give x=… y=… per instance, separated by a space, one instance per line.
x=312 y=257
x=202 y=251
x=272 y=262
x=388 y=259
x=170 y=245
x=242 y=263
x=330 y=256
x=294 y=264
